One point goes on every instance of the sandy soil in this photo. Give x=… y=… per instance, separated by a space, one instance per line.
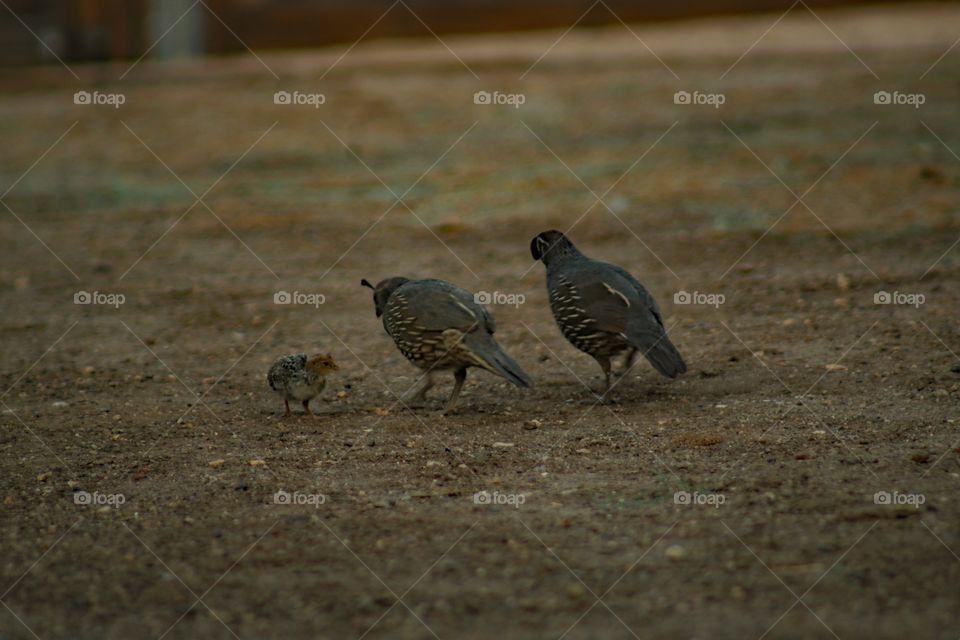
x=803 y=401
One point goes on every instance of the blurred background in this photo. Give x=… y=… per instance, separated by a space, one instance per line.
x=96 y=30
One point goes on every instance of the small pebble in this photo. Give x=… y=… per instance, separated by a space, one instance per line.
x=675 y=552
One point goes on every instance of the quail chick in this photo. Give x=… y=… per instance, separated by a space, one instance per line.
x=298 y=378
x=602 y=310
x=439 y=327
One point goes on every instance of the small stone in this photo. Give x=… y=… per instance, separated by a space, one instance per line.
x=530 y=425
x=257 y=463
x=503 y=445
x=60 y=403
x=835 y=367
x=43 y=477
x=843 y=282
x=88 y=370
x=341 y=394
x=575 y=590
x=216 y=464
x=675 y=552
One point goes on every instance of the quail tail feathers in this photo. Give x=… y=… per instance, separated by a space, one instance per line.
x=495 y=360
x=657 y=349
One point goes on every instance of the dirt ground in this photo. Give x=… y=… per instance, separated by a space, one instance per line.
x=199 y=199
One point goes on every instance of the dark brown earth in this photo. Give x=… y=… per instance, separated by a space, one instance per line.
x=803 y=400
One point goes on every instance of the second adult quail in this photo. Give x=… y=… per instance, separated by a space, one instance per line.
x=299 y=378
x=603 y=310
x=439 y=326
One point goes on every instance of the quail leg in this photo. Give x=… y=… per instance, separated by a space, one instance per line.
x=459 y=376
x=628 y=361
x=306 y=407
x=286 y=403
x=419 y=397
x=604 y=363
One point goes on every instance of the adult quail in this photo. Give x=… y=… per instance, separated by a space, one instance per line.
x=439 y=326
x=602 y=310
x=300 y=378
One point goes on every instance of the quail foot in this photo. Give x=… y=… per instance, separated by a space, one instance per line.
x=438 y=326
x=603 y=310
x=299 y=378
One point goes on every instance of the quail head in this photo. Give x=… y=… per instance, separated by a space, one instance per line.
x=602 y=310
x=440 y=327
x=299 y=378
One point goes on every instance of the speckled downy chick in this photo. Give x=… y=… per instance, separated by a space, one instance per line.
x=438 y=326
x=603 y=310
x=299 y=378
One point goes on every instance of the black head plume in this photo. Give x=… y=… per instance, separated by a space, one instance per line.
x=383 y=291
x=550 y=242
